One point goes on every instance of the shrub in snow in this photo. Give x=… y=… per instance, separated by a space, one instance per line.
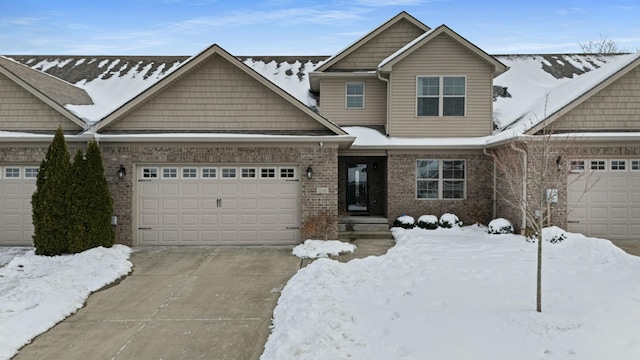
x=449 y=220
x=405 y=222
x=500 y=226
x=428 y=222
x=51 y=200
x=552 y=234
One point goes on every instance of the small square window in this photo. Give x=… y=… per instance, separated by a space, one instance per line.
x=229 y=173
x=169 y=173
x=355 y=95
x=11 y=173
x=598 y=165
x=189 y=173
x=248 y=173
x=635 y=165
x=209 y=173
x=268 y=173
x=287 y=173
x=31 y=172
x=618 y=165
x=577 y=165
x=149 y=173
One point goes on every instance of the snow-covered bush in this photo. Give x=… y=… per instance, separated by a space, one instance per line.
x=449 y=220
x=405 y=222
x=552 y=234
x=428 y=222
x=500 y=226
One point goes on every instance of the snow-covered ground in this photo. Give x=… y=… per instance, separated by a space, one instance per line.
x=312 y=249
x=463 y=294
x=36 y=292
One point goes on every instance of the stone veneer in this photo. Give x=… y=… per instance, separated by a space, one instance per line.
x=401 y=183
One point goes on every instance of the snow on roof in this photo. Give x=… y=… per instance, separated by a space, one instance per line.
x=111 y=81
x=540 y=85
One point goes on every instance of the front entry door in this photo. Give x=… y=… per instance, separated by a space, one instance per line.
x=357 y=192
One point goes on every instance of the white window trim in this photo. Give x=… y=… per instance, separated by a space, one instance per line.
x=606 y=165
x=169 y=177
x=188 y=177
x=275 y=172
x=215 y=169
x=4 y=172
x=235 y=173
x=637 y=164
x=346 y=95
x=255 y=173
x=295 y=173
x=441 y=180
x=441 y=96
x=624 y=162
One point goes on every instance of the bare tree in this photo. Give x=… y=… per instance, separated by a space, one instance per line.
x=534 y=173
x=604 y=45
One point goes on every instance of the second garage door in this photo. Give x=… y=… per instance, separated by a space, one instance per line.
x=215 y=205
x=17 y=184
x=611 y=208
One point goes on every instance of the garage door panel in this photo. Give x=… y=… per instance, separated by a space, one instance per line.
x=9 y=220
x=610 y=209
x=200 y=211
x=16 y=227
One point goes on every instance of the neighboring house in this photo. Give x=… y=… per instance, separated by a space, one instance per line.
x=223 y=150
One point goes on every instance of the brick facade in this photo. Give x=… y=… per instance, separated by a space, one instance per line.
x=401 y=194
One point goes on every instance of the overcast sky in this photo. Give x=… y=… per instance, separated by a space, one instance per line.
x=288 y=27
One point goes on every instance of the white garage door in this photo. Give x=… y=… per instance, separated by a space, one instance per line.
x=611 y=208
x=17 y=184
x=216 y=205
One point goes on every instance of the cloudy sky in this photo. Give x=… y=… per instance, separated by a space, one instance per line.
x=303 y=27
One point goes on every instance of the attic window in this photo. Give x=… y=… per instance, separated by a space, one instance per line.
x=355 y=95
x=441 y=95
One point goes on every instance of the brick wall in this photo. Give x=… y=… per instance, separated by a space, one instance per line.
x=477 y=206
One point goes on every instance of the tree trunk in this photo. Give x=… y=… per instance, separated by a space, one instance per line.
x=539 y=277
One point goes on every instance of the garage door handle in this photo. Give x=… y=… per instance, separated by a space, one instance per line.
x=292 y=228
x=144 y=228
x=573 y=222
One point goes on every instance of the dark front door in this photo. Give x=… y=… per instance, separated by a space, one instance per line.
x=357 y=190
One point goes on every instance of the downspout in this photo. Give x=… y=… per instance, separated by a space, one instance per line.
x=379 y=74
x=494 y=197
x=524 y=188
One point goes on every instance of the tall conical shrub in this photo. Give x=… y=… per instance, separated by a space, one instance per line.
x=50 y=201
x=79 y=218
x=99 y=206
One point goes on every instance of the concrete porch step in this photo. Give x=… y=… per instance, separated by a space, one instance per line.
x=363 y=227
x=363 y=235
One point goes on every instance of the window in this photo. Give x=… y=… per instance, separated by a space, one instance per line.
x=169 y=173
x=31 y=172
x=12 y=172
x=441 y=96
x=598 y=165
x=635 y=165
x=577 y=165
x=618 y=165
x=209 y=173
x=189 y=173
x=440 y=179
x=268 y=173
x=355 y=95
x=228 y=173
x=287 y=173
x=149 y=173
x=248 y=173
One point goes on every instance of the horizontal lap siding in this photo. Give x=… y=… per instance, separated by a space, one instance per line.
x=21 y=110
x=615 y=107
x=333 y=107
x=369 y=55
x=217 y=96
x=441 y=56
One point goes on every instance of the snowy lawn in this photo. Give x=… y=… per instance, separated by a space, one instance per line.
x=312 y=249
x=36 y=292
x=463 y=294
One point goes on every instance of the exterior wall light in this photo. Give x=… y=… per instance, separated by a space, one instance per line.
x=309 y=172
x=122 y=172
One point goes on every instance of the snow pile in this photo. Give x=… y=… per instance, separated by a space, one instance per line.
x=449 y=220
x=500 y=226
x=36 y=292
x=463 y=294
x=312 y=249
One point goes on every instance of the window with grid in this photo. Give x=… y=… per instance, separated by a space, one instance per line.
x=247 y=173
x=189 y=173
x=209 y=173
x=169 y=173
x=598 y=165
x=267 y=173
x=440 y=179
x=441 y=96
x=618 y=165
x=635 y=165
x=149 y=173
x=12 y=173
x=287 y=173
x=577 y=165
x=229 y=173
x=355 y=95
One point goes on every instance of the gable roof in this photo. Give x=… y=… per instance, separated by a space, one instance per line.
x=542 y=88
x=363 y=40
x=51 y=90
x=387 y=64
x=195 y=61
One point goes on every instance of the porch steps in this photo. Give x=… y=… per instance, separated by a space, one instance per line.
x=363 y=227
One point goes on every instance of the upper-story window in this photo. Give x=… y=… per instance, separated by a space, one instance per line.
x=355 y=95
x=441 y=95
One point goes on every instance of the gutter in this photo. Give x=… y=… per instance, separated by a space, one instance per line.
x=379 y=74
x=523 y=226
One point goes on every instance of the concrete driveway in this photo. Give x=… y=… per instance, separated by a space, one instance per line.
x=182 y=303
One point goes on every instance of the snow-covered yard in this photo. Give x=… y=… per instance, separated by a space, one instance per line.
x=36 y=292
x=463 y=294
